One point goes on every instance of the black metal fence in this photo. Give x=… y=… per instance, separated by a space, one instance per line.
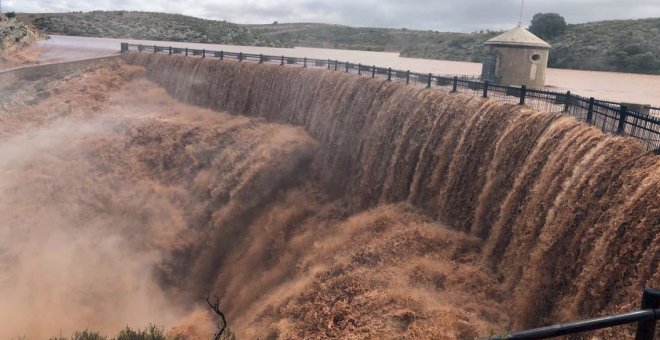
x=609 y=116
x=645 y=318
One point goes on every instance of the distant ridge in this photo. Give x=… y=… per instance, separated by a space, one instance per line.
x=146 y=25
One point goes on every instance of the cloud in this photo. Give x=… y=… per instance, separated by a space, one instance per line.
x=447 y=15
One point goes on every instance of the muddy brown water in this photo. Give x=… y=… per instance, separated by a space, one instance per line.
x=625 y=87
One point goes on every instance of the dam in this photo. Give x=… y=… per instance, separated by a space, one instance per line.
x=316 y=204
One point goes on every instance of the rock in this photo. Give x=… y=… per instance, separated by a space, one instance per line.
x=15 y=35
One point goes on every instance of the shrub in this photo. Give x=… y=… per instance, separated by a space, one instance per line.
x=88 y=335
x=150 y=333
x=548 y=25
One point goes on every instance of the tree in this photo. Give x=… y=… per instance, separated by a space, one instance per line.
x=644 y=62
x=10 y=15
x=547 y=25
x=223 y=332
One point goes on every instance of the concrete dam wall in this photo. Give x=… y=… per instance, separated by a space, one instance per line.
x=566 y=218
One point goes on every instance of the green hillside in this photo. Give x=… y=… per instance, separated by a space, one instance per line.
x=618 y=45
x=146 y=25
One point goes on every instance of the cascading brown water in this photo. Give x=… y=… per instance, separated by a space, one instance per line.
x=320 y=214
x=569 y=216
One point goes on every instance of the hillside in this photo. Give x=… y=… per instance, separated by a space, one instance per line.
x=411 y=43
x=14 y=36
x=146 y=25
x=620 y=45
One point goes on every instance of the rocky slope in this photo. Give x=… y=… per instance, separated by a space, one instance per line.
x=15 y=35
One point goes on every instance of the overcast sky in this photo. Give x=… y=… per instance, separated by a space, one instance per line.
x=444 y=15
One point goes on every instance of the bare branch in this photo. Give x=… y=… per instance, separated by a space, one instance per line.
x=215 y=306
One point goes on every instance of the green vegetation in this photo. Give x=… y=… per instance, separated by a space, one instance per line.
x=10 y=15
x=145 y=25
x=548 y=25
x=150 y=333
x=15 y=35
x=620 y=45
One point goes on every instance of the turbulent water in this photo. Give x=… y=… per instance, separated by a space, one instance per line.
x=326 y=205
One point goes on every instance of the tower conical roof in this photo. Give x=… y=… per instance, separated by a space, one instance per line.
x=518 y=36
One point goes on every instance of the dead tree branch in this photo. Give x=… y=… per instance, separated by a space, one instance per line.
x=215 y=306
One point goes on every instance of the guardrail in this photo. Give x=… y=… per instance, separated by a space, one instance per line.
x=608 y=116
x=646 y=319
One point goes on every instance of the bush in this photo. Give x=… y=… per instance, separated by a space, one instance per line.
x=150 y=333
x=10 y=15
x=88 y=335
x=644 y=62
x=548 y=25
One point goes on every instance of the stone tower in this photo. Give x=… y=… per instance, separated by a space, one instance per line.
x=516 y=57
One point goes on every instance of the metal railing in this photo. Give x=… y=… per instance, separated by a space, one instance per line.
x=645 y=318
x=608 y=116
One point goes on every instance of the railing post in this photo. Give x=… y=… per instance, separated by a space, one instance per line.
x=124 y=47
x=329 y=64
x=240 y=56
x=486 y=89
x=428 y=81
x=282 y=61
x=455 y=86
x=336 y=64
x=623 y=114
x=389 y=73
x=347 y=64
x=261 y=58
x=523 y=94
x=360 y=69
x=155 y=49
x=408 y=77
x=650 y=300
x=567 y=101
x=222 y=55
x=373 y=71
x=203 y=53
x=305 y=62
x=590 y=110
x=170 y=50
x=140 y=48
x=186 y=51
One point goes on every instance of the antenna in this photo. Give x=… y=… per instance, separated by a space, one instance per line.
x=522 y=6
